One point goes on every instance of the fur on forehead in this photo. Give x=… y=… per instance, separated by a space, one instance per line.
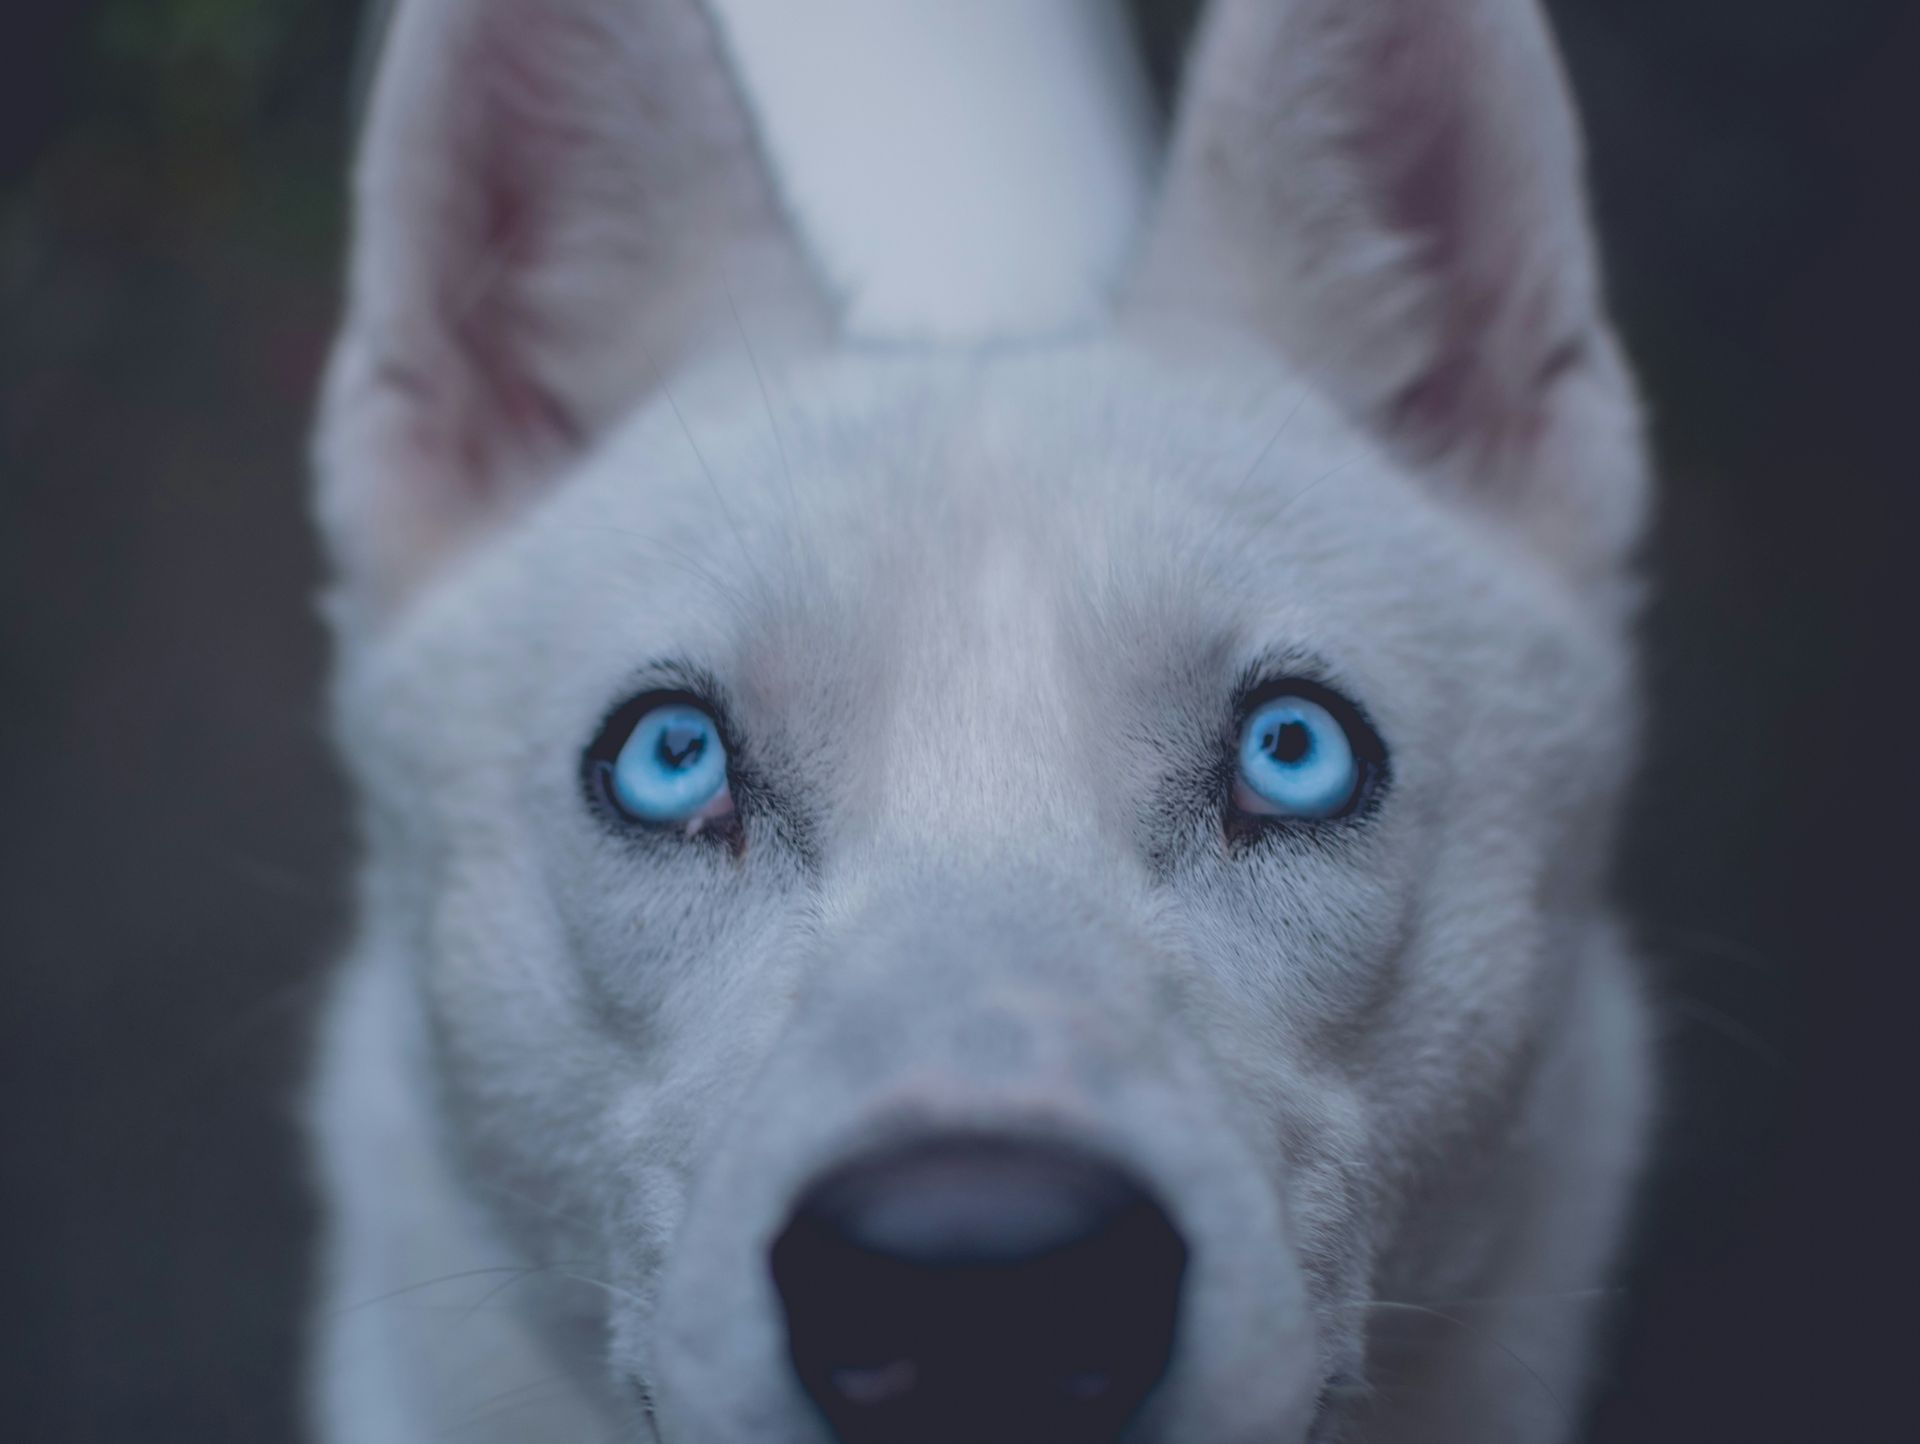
x=864 y=494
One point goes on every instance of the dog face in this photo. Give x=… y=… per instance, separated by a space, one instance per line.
x=787 y=764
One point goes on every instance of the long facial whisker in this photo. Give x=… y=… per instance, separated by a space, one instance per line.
x=505 y=1285
x=1702 y=944
x=614 y=1291
x=713 y=482
x=1476 y=1332
x=538 y=1205
x=507 y=1401
x=680 y=559
x=1703 y=1014
x=1259 y=461
x=1463 y=1301
x=459 y=1276
x=1301 y=494
x=795 y=530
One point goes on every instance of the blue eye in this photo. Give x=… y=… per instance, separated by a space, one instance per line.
x=1297 y=759
x=671 y=768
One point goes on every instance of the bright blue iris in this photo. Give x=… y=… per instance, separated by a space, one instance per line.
x=672 y=765
x=1297 y=760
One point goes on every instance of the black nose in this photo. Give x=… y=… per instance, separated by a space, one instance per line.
x=960 y=1290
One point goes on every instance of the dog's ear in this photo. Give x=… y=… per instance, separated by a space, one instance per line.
x=1391 y=192
x=556 y=200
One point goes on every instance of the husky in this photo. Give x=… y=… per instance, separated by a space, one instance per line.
x=986 y=734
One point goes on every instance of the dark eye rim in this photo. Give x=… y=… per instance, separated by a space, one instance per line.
x=1368 y=750
x=597 y=764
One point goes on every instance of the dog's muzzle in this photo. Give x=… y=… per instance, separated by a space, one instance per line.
x=974 y=1287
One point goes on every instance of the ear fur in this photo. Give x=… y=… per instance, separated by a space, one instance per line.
x=555 y=201
x=1390 y=191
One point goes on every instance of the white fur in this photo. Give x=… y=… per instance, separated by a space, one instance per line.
x=961 y=171
x=979 y=613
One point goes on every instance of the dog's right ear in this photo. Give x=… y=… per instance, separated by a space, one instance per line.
x=556 y=201
x=1390 y=191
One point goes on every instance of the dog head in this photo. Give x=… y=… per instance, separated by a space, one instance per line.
x=1000 y=882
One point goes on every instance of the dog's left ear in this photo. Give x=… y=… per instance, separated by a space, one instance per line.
x=556 y=201
x=1391 y=192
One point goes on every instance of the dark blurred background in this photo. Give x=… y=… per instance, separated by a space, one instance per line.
x=172 y=843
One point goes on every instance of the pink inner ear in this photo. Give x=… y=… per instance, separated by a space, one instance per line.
x=514 y=148
x=1389 y=192
x=554 y=202
x=497 y=340
x=1448 y=183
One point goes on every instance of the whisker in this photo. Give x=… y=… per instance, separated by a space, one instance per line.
x=665 y=553
x=539 y=1205
x=1719 y=1021
x=615 y=1291
x=1233 y=500
x=1475 y=1332
x=1321 y=480
x=1698 y=943
x=1552 y=1296
x=505 y=1284
x=277 y=1003
x=491 y=1271
x=506 y=1402
x=713 y=482
x=773 y=421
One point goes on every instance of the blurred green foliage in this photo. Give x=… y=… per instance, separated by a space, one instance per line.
x=185 y=112
x=237 y=34
x=191 y=66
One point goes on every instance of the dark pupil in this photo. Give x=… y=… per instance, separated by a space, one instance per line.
x=681 y=746
x=1289 y=742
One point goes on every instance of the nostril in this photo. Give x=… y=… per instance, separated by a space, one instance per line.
x=974 y=1287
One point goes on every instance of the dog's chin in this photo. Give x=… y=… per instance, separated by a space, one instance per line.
x=1328 y=1426
x=1326 y=1423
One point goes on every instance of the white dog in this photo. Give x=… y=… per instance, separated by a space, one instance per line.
x=987 y=749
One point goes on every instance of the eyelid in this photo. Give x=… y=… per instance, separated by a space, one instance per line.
x=675 y=679
x=1315 y=682
x=1304 y=677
